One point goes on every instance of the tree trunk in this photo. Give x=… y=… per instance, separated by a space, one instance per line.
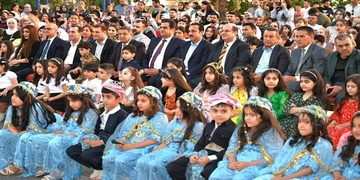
x=222 y=9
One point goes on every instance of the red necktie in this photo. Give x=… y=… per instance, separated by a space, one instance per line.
x=153 y=59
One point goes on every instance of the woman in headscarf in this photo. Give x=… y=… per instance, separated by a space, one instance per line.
x=12 y=32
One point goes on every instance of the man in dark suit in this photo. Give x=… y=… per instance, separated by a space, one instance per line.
x=125 y=36
x=308 y=55
x=160 y=51
x=102 y=46
x=195 y=53
x=340 y=65
x=236 y=52
x=53 y=46
x=271 y=55
x=72 y=55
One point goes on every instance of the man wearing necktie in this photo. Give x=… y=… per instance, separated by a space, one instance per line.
x=52 y=47
x=160 y=50
x=308 y=55
x=230 y=52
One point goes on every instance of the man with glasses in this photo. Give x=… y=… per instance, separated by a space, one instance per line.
x=354 y=9
x=340 y=65
x=230 y=52
x=53 y=46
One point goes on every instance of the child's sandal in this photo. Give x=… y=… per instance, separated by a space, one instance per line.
x=39 y=174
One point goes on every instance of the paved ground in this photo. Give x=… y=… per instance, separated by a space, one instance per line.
x=85 y=172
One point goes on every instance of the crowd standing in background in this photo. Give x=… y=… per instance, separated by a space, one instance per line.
x=154 y=92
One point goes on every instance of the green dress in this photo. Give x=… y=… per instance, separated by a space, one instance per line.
x=289 y=122
x=277 y=100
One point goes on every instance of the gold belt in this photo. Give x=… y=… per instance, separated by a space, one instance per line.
x=214 y=147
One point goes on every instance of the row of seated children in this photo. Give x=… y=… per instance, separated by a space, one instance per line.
x=241 y=86
x=255 y=144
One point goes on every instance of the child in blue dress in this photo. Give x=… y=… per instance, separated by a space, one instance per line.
x=25 y=117
x=135 y=137
x=254 y=145
x=46 y=153
x=306 y=154
x=214 y=141
x=180 y=136
x=346 y=164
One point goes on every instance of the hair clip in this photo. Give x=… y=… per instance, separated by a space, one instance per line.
x=273 y=69
x=166 y=72
x=56 y=60
x=312 y=74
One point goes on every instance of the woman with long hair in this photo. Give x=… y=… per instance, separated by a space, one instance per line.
x=26 y=52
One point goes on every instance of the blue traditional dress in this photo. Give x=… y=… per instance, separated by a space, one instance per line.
x=13 y=146
x=153 y=166
x=120 y=164
x=293 y=159
x=49 y=150
x=349 y=170
x=264 y=151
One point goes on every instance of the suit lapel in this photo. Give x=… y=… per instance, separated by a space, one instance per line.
x=198 y=48
x=350 y=61
x=308 y=53
x=273 y=53
x=232 y=48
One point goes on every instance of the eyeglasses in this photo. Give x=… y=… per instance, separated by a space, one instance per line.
x=352 y=32
x=48 y=28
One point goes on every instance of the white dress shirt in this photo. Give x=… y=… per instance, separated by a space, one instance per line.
x=99 y=48
x=71 y=53
x=189 y=53
x=226 y=53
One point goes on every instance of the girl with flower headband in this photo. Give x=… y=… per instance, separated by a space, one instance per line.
x=173 y=86
x=241 y=87
x=135 y=136
x=46 y=152
x=313 y=93
x=213 y=82
x=25 y=117
x=180 y=136
x=8 y=81
x=254 y=144
x=56 y=85
x=273 y=88
x=339 y=121
x=306 y=154
x=345 y=163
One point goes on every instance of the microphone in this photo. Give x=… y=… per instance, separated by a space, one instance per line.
x=116 y=142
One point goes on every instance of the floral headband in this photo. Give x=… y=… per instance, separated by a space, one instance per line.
x=314 y=110
x=77 y=89
x=151 y=91
x=214 y=65
x=28 y=87
x=192 y=99
x=260 y=102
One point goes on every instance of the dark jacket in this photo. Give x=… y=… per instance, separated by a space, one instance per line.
x=220 y=137
x=113 y=121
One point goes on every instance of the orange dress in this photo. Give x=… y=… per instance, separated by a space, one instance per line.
x=347 y=111
x=170 y=103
